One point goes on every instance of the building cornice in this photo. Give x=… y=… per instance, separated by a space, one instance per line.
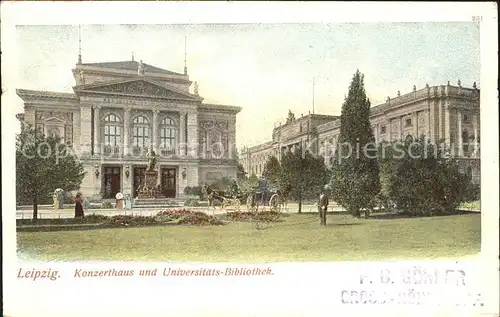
x=219 y=108
x=26 y=94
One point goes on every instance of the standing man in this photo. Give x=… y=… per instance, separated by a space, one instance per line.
x=323 y=205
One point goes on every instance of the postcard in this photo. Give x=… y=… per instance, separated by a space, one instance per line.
x=250 y=159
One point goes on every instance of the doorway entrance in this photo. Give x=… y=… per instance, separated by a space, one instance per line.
x=168 y=182
x=139 y=175
x=111 y=181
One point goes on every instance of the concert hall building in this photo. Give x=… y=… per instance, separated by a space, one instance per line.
x=441 y=113
x=119 y=110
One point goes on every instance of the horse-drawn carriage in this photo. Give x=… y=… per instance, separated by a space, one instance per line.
x=226 y=199
x=275 y=200
x=256 y=201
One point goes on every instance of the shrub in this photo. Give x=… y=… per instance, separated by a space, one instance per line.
x=424 y=183
x=93 y=218
x=265 y=216
x=125 y=220
x=200 y=219
x=106 y=205
x=192 y=202
x=194 y=191
x=173 y=214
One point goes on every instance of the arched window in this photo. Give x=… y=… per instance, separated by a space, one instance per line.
x=112 y=130
x=168 y=134
x=140 y=136
x=465 y=142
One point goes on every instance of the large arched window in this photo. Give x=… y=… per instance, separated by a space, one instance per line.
x=112 y=130
x=140 y=136
x=168 y=135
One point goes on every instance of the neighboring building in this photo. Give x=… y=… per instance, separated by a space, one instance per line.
x=119 y=110
x=441 y=113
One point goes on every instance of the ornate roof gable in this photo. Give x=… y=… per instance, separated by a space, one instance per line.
x=138 y=87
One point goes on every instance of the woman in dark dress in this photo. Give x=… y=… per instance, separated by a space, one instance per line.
x=78 y=206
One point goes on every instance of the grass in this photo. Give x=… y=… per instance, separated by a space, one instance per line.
x=298 y=238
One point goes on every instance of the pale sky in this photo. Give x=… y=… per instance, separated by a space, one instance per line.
x=264 y=68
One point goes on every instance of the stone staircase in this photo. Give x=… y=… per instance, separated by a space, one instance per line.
x=157 y=203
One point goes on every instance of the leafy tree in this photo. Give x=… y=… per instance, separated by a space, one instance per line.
x=42 y=165
x=272 y=171
x=422 y=179
x=302 y=175
x=355 y=173
x=250 y=184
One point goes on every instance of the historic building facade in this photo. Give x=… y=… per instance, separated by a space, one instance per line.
x=119 y=111
x=441 y=113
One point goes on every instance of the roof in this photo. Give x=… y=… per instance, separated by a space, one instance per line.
x=133 y=66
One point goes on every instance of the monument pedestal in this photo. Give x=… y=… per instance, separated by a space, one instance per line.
x=150 y=189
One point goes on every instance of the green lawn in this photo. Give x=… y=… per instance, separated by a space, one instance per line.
x=298 y=238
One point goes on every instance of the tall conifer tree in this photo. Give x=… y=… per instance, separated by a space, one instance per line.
x=355 y=173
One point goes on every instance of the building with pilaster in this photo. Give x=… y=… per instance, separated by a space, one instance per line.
x=445 y=113
x=118 y=111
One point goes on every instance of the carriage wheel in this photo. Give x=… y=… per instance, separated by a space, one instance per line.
x=274 y=204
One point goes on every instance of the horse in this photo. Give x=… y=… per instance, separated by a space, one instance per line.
x=323 y=207
x=212 y=195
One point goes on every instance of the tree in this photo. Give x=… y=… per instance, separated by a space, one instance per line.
x=422 y=179
x=272 y=171
x=355 y=173
x=42 y=165
x=249 y=185
x=302 y=175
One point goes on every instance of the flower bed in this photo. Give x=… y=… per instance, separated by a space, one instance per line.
x=133 y=221
x=172 y=214
x=265 y=216
x=200 y=219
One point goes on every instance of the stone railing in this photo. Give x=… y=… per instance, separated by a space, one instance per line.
x=428 y=92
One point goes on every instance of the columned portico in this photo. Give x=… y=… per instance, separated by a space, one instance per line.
x=117 y=108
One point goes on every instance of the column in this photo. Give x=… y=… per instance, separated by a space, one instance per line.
x=446 y=126
x=192 y=134
x=231 y=140
x=182 y=133
x=476 y=135
x=97 y=130
x=85 y=129
x=415 y=125
x=126 y=131
x=389 y=130
x=401 y=131
x=154 y=131
x=459 y=134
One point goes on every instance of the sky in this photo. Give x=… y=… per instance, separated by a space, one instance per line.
x=267 y=69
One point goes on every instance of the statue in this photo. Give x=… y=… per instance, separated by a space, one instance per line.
x=196 y=86
x=399 y=93
x=141 y=70
x=151 y=159
x=414 y=88
x=58 y=198
x=474 y=85
x=459 y=83
x=291 y=117
x=82 y=78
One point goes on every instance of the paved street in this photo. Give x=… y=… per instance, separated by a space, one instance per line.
x=45 y=212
